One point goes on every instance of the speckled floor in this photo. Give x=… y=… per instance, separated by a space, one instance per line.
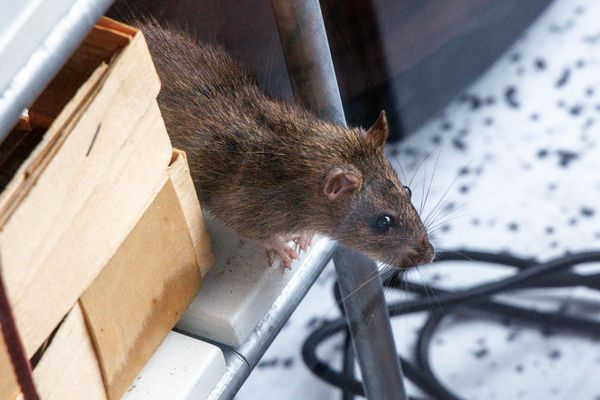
x=518 y=155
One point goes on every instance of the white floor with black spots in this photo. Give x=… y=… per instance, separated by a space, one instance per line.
x=518 y=156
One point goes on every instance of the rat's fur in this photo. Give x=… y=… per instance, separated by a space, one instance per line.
x=260 y=165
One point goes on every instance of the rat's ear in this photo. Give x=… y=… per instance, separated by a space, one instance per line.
x=339 y=182
x=378 y=133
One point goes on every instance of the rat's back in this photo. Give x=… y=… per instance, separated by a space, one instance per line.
x=194 y=75
x=274 y=171
x=209 y=103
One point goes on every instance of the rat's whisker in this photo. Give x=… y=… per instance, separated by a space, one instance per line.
x=418 y=168
x=442 y=219
x=428 y=291
x=423 y=191
x=452 y=251
x=437 y=160
x=440 y=216
x=444 y=222
x=450 y=186
x=431 y=219
x=439 y=213
x=434 y=215
x=440 y=203
x=399 y=164
x=375 y=275
x=386 y=266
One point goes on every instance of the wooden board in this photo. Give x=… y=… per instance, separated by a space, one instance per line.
x=69 y=368
x=143 y=290
x=28 y=173
x=90 y=188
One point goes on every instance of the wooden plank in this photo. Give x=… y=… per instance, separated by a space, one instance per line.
x=179 y=173
x=143 y=290
x=69 y=368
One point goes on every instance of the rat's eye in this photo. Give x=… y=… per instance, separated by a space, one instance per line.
x=408 y=191
x=384 y=223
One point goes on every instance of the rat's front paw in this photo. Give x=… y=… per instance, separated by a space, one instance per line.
x=303 y=239
x=276 y=246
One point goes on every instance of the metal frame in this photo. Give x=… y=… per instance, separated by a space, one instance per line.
x=310 y=66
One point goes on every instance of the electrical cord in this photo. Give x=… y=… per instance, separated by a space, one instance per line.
x=555 y=273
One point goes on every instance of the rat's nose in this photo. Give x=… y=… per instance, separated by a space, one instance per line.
x=426 y=249
x=421 y=253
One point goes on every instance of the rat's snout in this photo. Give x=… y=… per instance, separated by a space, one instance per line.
x=421 y=253
x=426 y=249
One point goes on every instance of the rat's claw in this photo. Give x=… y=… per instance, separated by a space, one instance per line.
x=271 y=257
x=276 y=246
x=304 y=240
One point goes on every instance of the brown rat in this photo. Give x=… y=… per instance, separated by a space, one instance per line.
x=273 y=171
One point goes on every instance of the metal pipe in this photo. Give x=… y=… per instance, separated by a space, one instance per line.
x=306 y=50
x=369 y=324
x=308 y=58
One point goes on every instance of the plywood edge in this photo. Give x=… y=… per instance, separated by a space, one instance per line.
x=179 y=173
x=117 y=27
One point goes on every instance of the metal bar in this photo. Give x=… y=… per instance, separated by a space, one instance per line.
x=369 y=323
x=307 y=56
x=47 y=58
x=306 y=49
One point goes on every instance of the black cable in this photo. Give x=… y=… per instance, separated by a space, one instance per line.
x=422 y=357
x=476 y=300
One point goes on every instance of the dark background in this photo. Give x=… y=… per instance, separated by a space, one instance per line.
x=409 y=57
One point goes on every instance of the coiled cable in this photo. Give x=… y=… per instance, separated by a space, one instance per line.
x=555 y=273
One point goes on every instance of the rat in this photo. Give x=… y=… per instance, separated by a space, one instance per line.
x=273 y=171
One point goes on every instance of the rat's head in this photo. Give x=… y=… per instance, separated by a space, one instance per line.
x=372 y=210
